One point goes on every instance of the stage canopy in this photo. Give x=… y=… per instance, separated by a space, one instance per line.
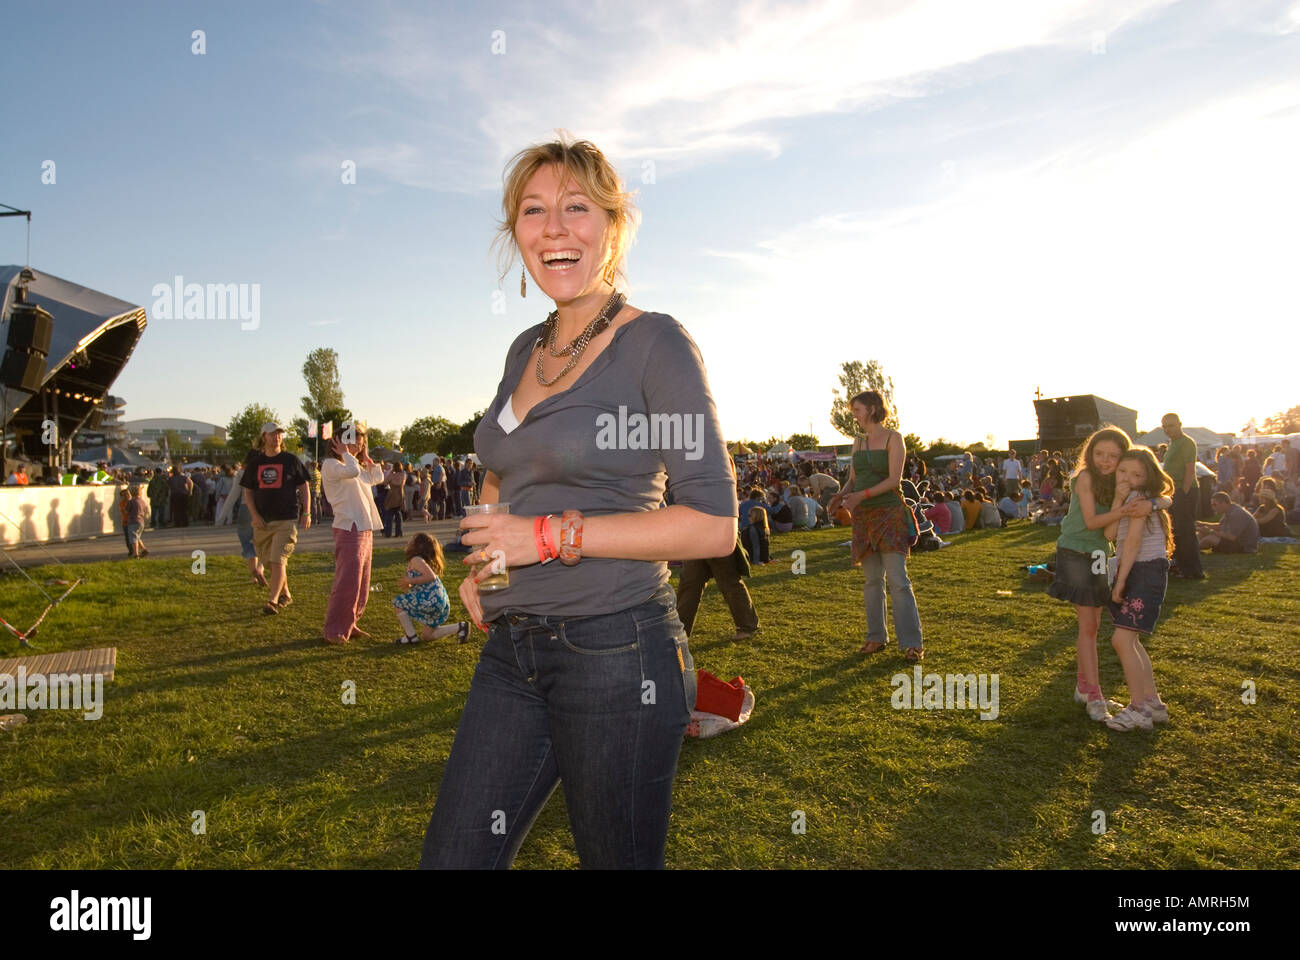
x=92 y=339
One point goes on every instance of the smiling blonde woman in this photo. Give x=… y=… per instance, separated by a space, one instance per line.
x=586 y=678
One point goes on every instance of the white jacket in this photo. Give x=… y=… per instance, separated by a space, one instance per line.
x=346 y=487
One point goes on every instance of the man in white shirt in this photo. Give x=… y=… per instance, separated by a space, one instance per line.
x=1012 y=473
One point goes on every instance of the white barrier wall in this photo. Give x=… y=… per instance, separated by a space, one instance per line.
x=48 y=514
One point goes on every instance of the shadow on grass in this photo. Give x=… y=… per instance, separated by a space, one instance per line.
x=1037 y=744
x=274 y=765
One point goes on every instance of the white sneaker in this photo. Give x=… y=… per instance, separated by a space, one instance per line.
x=1159 y=712
x=1097 y=710
x=1130 y=718
x=1113 y=705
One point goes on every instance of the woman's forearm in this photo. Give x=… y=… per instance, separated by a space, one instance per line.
x=673 y=533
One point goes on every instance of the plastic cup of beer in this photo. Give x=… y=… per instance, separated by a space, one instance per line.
x=495 y=581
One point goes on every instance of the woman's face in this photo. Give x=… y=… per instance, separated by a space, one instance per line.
x=1133 y=473
x=860 y=413
x=1105 y=457
x=562 y=235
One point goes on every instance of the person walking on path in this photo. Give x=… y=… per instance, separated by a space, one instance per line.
x=276 y=491
x=234 y=511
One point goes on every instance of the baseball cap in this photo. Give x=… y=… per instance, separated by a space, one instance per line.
x=272 y=427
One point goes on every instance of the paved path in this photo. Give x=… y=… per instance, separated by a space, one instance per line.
x=217 y=541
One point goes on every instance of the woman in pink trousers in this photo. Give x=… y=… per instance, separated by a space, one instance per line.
x=347 y=475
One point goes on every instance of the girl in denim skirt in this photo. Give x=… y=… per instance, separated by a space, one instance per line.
x=1081 y=552
x=1140 y=581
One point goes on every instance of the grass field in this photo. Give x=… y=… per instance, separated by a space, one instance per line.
x=221 y=709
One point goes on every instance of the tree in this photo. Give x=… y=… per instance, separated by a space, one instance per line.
x=463 y=440
x=802 y=441
x=1285 y=422
x=428 y=435
x=382 y=438
x=321 y=371
x=245 y=428
x=913 y=443
x=856 y=377
x=339 y=417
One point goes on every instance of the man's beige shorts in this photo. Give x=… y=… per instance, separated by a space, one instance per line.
x=275 y=541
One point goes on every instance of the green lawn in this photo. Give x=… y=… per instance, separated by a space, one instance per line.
x=219 y=708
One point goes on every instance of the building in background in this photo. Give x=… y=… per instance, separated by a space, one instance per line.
x=147 y=435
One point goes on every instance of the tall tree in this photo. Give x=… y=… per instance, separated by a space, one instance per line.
x=245 y=428
x=325 y=392
x=428 y=435
x=856 y=377
x=802 y=441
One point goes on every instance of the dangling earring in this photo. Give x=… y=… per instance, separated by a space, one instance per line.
x=523 y=284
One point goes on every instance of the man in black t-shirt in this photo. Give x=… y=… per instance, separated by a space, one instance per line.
x=276 y=493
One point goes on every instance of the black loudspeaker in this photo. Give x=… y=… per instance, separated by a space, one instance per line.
x=23 y=366
x=22 y=371
x=30 y=328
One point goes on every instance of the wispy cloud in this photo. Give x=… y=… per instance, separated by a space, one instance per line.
x=676 y=82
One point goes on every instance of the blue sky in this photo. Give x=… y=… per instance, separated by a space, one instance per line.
x=1082 y=197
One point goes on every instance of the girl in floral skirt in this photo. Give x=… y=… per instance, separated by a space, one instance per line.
x=425 y=600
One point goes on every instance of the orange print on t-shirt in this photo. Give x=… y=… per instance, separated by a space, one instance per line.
x=270 y=476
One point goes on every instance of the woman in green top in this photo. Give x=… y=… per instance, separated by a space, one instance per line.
x=1081 y=551
x=882 y=526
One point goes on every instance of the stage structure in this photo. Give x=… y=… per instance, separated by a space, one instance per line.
x=64 y=345
x=1065 y=422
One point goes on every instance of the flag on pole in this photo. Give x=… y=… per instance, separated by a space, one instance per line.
x=327 y=429
x=311 y=429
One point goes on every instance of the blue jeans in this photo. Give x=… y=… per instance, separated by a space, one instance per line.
x=907 y=619
x=599 y=704
x=392 y=518
x=244 y=527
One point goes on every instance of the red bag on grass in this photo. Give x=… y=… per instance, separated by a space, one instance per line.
x=717 y=696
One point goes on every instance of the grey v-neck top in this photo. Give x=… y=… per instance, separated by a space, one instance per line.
x=639 y=418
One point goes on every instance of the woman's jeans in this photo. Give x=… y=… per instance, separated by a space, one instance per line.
x=599 y=704
x=907 y=619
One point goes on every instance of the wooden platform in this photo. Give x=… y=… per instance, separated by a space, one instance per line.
x=100 y=660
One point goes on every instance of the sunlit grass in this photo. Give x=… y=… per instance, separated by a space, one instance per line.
x=219 y=708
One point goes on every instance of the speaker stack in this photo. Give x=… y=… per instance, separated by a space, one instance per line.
x=27 y=346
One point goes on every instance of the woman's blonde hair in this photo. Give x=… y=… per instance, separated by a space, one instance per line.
x=595 y=176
